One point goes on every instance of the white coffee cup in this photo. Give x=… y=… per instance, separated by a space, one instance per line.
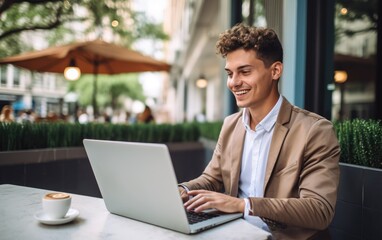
x=56 y=204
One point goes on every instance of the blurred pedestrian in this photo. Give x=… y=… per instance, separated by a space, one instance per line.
x=146 y=116
x=7 y=114
x=26 y=116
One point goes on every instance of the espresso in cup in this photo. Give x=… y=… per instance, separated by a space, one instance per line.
x=56 y=204
x=55 y=196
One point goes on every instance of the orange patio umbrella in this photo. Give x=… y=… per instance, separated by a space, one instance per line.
x=92 y=57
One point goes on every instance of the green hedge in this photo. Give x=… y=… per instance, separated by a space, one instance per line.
x=210 y=130
x=15 y=136
x=360 y=140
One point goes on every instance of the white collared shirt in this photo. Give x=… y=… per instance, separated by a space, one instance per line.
x=254 y=159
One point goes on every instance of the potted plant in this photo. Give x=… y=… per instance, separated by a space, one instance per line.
x=359 y=209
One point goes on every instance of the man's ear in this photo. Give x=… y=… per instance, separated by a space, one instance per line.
x=277 y=69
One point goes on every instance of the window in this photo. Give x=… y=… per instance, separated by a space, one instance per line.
x=355 y=51
x=254 y=12
x=3 y=75
x=16 y=77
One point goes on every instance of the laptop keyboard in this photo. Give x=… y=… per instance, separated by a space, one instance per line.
x=194 y=217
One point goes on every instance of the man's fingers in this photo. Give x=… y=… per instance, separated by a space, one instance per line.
x=198 y=203
x=202 y=200
x=196 y=192
x=183 y=194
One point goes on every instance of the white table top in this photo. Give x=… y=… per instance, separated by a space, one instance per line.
x=19 y=204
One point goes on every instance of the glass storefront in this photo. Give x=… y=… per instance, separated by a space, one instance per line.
x=342 y=52
x=355 y=56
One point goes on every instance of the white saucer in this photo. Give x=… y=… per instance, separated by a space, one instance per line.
x=70 y=216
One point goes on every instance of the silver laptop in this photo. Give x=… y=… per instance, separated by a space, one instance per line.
x=137 y=180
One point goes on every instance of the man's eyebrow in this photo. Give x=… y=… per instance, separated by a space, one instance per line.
x=240 y=67
x=244 y=66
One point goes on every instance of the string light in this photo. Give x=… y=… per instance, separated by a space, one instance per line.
x=201 y=82
x=72 y=72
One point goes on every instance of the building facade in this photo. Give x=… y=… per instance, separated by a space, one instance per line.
x=332 y=49
x=194 y=27
x=24 y=90
x=321 y=39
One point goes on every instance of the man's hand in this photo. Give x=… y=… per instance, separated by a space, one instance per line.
x=203 y=199
x=183 y=194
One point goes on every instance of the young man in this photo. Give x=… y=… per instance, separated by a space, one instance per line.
x=274 y=162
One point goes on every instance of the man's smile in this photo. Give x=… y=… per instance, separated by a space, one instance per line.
x=241 y=92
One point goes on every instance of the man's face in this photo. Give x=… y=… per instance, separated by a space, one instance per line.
x=251 y=82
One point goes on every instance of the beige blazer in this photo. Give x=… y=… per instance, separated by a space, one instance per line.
x=301 y=178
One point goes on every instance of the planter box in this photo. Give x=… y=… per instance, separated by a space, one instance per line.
x=69 y=170
x=359 y=204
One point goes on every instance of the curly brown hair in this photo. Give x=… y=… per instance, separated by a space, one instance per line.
x=262 y=40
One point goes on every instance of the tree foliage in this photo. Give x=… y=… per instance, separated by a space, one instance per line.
x=61 y=21
x=112 y=89
x=356 y=10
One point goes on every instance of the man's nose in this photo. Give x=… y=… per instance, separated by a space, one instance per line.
x=235 y=80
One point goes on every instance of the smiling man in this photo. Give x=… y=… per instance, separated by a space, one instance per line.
x=274 y=162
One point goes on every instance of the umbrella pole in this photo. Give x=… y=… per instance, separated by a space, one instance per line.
x=94 y=99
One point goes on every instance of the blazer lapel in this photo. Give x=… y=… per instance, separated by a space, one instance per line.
x=278 y=138
x=236 y=150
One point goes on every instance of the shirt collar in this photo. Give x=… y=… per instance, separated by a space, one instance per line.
x=270 y=119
